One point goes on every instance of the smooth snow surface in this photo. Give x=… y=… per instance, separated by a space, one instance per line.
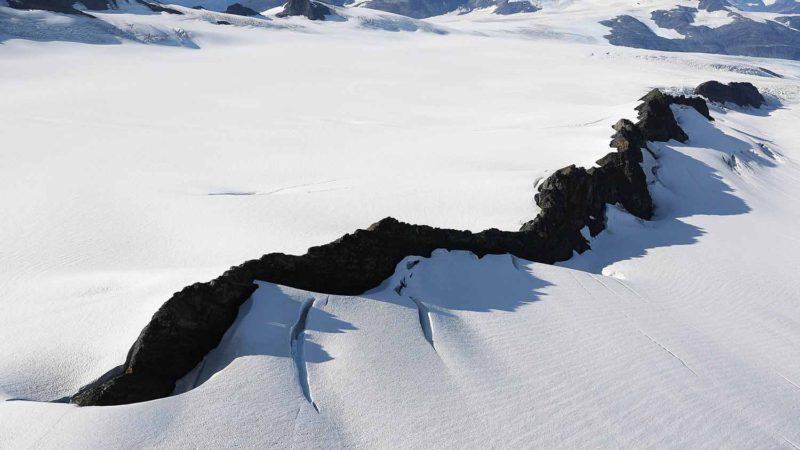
x=131 y=170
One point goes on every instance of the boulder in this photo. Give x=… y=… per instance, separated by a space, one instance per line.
x=742 y=94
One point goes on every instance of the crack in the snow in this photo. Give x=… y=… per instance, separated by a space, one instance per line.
x=790 y=442
x=515 y=262
x=297 y=344
x=399 y=288
x=198 y=373
x=668 y=351
x=788 y=380
x=423 y=312
x=424 y=320
x=51 y=429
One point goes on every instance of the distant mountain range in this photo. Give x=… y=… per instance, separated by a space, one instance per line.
x=716 y=26
x=732 y=27
x=412 y=8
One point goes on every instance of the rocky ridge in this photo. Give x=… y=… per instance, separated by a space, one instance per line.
x=192 y=322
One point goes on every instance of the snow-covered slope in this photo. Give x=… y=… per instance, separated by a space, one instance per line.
x=134 y=170
x=673 y=333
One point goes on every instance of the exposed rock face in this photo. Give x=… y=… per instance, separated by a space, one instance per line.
x=619 y=177
x=59 y=6
x=309 y=8
x=774 y=6
x=656 y=121
x=790 y=21
x=420 y=9
x=240 y=10
x=193 y=321
x=573 y=198
x=714 y=5
x=742 y=94
x=68 y=6
x=155 y=7
x=674 y=19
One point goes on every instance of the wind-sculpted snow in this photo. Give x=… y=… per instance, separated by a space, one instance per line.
x=677 y=332
x=193 y=321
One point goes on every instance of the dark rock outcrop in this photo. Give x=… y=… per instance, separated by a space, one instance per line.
x=157 y=7
x=656 y=121
x=59 y=6
x=742 y=94
x=714 y=5
x=777 y=6
x=675 y=19
x=573 y=198
x=505 y=7
x=790 y=21
x=68 y=6
x=309 y=8
x=697 y=103
x=240 y=10
x=193 y=321
x=420 y=9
